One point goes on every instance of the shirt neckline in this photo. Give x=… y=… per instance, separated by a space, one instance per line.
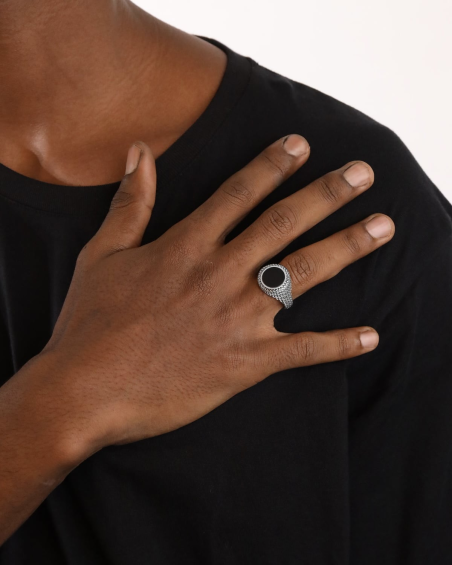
x=69 y=199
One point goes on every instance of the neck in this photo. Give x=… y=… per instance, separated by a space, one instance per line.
x=75 y=45
x=67 y=68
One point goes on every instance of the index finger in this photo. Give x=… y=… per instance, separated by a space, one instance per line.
x=241 y=192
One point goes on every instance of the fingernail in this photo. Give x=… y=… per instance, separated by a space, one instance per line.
x=380 y=226
x=295 y=145
x=133 y=158
x=357 y=175
x=369 y=339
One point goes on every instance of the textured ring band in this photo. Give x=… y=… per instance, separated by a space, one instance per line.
x=275 y=281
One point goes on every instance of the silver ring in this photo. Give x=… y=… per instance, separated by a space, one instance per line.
x=275 y=281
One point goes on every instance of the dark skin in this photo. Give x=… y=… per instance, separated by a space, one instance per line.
x=103 y=74
x=131 y=357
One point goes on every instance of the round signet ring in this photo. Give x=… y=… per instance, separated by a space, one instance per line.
x=275 y=281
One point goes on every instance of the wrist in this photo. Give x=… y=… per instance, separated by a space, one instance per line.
x=39 y=400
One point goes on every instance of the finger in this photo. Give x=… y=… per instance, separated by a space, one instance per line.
x=288 y=351
x=323 y=260
x=246 y=188
x=131 y=207
x=294 y=215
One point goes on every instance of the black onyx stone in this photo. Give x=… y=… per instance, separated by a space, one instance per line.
x=273 y=277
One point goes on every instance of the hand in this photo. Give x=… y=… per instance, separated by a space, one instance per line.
x=153 y=337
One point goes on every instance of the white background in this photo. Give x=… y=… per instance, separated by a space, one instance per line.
x=391 y=59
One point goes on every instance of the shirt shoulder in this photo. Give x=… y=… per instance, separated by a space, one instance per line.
x=275 y=105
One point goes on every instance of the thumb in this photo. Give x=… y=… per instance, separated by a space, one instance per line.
x=131 y=207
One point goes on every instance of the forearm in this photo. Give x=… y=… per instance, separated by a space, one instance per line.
x=38 y=446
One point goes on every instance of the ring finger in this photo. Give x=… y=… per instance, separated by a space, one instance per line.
x=323 y=260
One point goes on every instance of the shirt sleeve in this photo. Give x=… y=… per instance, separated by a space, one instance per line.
x=400 y=423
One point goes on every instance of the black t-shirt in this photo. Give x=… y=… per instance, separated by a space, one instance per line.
x=346 y=462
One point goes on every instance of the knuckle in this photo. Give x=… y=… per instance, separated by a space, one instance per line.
x=237 y=191
x=344 y=344
x=351 y=243
x=201 y=278
x=118 y=246
x=330 y=188
x=279 y=221
x=304 y=348
x=275 y=164
x=226 y=313
x=122 y=199
x=303 y=268
x=177 y=253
